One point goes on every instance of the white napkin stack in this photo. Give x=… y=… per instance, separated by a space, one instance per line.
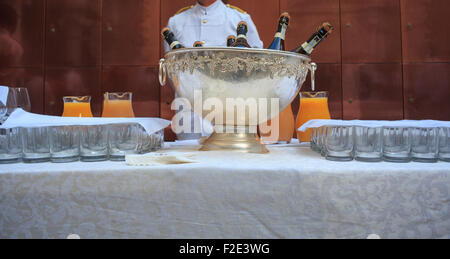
x=22 y=119
x=158 y=159
x=375 y=124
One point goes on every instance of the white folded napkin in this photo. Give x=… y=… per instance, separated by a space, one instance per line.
x=375 y=124
x=155 y=159
x=22 y=119
x=4 y=90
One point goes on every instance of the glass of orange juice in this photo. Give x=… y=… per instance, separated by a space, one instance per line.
x=116 y=105
x=313 y=105
x=77 y=106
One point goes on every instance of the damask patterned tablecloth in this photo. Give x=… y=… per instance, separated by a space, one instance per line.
x=290 y=193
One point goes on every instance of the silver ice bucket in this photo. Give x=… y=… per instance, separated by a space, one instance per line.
x=229 y=75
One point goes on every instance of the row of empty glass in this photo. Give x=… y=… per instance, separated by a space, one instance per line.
x=72 y=143
x=374 y=144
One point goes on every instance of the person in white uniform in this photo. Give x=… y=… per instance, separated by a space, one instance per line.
x=211 y=21
x=211 y=24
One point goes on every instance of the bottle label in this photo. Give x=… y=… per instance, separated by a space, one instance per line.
x=282 y=34
x=309 y=46
x=174 y=44
x=241 y=36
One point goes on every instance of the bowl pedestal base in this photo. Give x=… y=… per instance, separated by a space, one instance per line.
x=239 y=142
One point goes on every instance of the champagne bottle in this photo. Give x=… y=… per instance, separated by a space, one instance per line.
x=170 y=39
x=231 y=40
x=241 y=40
x=280 y=35
x=199 y=44
x=281 y=128
x=308 y=46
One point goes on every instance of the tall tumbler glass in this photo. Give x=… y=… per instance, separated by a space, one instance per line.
x=36 y=144
x=425 y=146
x=397 y=144
x=77 y=106
x=10 y=146
x=313 y=105
x=118 y=105
x=94 y=143
x=157 y=140
x=148 y=143
x=444 y=144
x=123 y=140
x=314 y=139
x=321 y=139
x=368 y=144
x=8 y=105
x=22 y=98
x=64 y=144
x=339 y=143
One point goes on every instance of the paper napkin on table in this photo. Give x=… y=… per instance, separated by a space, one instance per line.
x=4 y=90
x=22 y=119
x=375 y=124
x=155 y=159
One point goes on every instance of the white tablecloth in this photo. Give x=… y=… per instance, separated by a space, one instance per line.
x=290 y=193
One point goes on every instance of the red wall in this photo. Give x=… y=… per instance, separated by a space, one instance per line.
x=387 y=59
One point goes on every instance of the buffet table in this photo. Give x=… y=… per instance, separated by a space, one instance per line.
x=290 y=193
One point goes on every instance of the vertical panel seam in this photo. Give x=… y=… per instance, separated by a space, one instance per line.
x=100 y=51
x=342 y=65
x=401 y=58
x=159 y=51
x=44 y=58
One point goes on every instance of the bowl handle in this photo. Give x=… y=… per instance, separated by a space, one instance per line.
x=313 y=67
x=162 y=72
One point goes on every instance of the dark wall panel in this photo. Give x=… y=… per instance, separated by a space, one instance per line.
x=371 y=31
x=73 y=33
x=372 y=91
x=130 y=32
x=427 y=91
x=21 y=33
x=425 y=25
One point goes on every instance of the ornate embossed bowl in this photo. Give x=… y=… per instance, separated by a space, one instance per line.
x=224 y=74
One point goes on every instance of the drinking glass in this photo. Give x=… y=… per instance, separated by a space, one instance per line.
x=397 y=144
x=64 y=144
x=94 y=143
x=152 y=142
x=313 y=105
x=36 y=144
x=368 y=144
x=22 y=98
x=339 y=143
x=10 y=146
x=322 y=132
x=8 y=105
x=314 y=139
x=123 y=139
x=425 y=145
x=444 y=144
x=77 y=106
x=157 y=141
x=118 y=105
